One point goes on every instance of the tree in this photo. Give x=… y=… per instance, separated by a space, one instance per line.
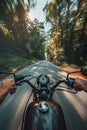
x=68 y=20
x=23 y=33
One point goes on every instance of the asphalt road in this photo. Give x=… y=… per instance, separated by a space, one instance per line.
x=74 y=105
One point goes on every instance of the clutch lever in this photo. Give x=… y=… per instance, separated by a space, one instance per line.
x=19 y=78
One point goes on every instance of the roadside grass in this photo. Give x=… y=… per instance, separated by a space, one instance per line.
x=72 y=67
x=11 y=62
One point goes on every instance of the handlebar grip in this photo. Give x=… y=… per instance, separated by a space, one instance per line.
x=71 y=82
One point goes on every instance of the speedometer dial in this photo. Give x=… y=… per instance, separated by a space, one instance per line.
x=43 y=79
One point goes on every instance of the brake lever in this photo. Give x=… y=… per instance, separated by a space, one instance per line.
x=69 y=82
x=19 y=78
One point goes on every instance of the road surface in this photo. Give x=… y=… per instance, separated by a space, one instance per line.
x=74 y=105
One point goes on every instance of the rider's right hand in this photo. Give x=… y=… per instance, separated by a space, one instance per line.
x=80 y=84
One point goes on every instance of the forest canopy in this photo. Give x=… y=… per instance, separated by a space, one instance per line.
x=20 y=37
x=68 y=33
x=24 y=40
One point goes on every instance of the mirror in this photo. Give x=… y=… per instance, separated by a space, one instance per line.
x=84 y=70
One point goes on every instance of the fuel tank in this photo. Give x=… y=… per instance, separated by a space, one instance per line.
x=44 y=116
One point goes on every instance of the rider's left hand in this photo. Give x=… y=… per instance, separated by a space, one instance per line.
x=9 y=84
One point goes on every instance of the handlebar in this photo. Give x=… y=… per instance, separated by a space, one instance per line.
x=20 y=79
x=68 y=81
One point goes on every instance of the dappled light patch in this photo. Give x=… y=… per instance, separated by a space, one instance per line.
x=14 y=70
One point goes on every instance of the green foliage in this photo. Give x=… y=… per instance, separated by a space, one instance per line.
x=20 y=36
x=68 y=20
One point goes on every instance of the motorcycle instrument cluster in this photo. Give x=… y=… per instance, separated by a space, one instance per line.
x=43 y=79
